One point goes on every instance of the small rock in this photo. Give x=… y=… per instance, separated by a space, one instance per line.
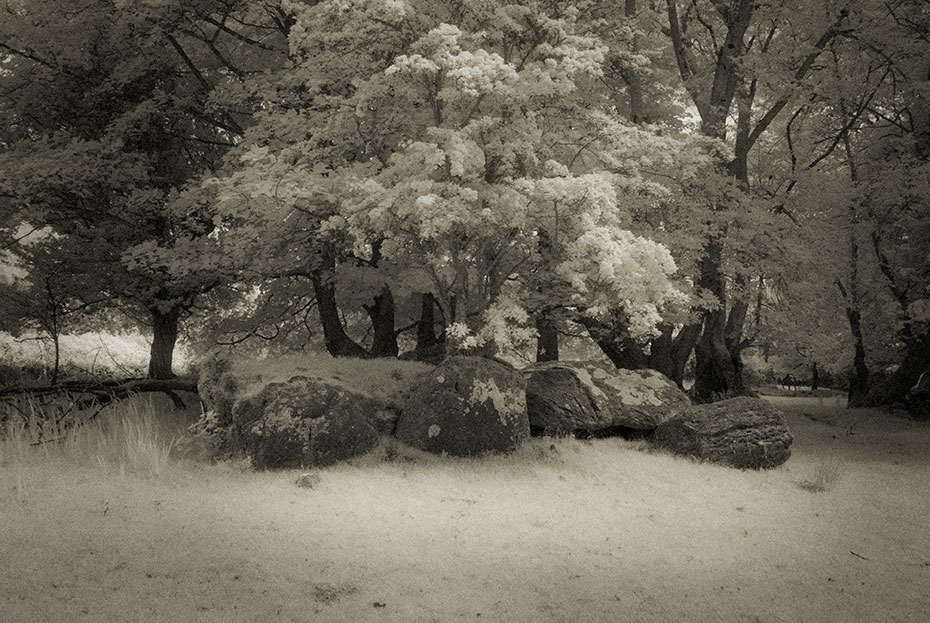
x=308 y=480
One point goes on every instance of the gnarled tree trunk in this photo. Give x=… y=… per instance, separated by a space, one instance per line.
x=622 y=350
x=716 y=374
x=426 y=327
x=381 y=313
x=164 y=339
x=668 y=353
x=547 y=344
x=338 y=343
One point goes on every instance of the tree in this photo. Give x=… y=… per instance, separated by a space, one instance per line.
x=49 y=300
x=450 y=150
x=863 y=118
x=892 y=149
x=735 y=54
x=111 y=116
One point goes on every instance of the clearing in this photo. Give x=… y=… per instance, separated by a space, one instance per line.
x=564 y=530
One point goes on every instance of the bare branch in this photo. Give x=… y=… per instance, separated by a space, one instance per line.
x=799 y=75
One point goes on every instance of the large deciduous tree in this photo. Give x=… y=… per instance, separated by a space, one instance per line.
x=110 y=115
x=865 y=121
x=739 y=56
x=460 y=150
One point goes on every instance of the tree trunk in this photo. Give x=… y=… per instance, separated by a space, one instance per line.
x=430 y=346
x=815 y=377
x=718 y=371
x=622 y=350
x=859 y=378
x=733 y=337
x=384 y=342
x=164 y=339
x=858 y=395
x=547 y=345
x=337 y=341
x=669 y=353
x=915 y=362
x=634 y=85
x=715 y=367
x=426 y=327
x=56 y=345
x=683 y=347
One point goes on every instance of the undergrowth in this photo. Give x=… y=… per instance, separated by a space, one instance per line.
x=135 y=436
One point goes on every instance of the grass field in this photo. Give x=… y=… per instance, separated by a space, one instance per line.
x=113 y=527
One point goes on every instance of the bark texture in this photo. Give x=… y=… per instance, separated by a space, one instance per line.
x=164 y=338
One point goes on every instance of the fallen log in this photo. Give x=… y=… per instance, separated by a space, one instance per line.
x=121 y=387
x=67 y=403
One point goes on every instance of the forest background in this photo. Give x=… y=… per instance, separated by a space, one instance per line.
x=717 y=189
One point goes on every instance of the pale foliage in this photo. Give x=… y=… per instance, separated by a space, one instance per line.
x=470 y=161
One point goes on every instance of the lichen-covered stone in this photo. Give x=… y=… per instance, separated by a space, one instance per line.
x=581 y=396
x=237 y=389
x=741 y=432
x=303 y=422
x=466 y=406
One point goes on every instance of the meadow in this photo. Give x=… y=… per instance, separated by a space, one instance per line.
x=118 y=523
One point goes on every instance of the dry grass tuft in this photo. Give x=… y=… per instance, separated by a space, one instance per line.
x=328 y=593
x=824 y=477
x=135 y=436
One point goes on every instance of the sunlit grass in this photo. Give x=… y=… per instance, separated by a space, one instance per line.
x=134 y=436
x=90 y=354
x=383 y=379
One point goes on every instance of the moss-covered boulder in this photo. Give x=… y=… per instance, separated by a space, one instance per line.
x=303 y=422
x=300 y=410
x=740 y=432
x=596 y=398
x=466 y=406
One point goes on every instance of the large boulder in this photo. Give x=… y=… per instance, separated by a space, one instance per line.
x=597 y=399
x=466 y=406
x=303 y=422
x=741 y=432
x=299 y=410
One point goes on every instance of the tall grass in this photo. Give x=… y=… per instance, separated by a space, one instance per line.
x=132 y=437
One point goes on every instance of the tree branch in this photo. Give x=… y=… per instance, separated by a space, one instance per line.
x=799 y=75
x=187 y=61
x=27 y=55
x=681 y=55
